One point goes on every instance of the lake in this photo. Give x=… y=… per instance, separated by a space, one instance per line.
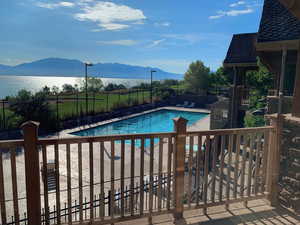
x=10 y=85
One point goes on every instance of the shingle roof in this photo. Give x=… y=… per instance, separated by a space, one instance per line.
x=277 y=23
x=242 y=49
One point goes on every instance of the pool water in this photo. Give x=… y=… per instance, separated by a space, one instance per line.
x=154 y=122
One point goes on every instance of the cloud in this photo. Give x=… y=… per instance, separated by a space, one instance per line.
x=156 y=43
x=118 y=42
x=190 y=38
x=237 y=4
x=55 y=5
x=221 y=13
x=111 y=16
x=162 y=24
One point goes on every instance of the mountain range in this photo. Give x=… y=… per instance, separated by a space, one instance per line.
x=76 y=68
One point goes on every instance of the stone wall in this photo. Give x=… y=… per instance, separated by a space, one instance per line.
x=289 y=180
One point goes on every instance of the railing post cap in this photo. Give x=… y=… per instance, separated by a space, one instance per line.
x=180 y=120
x=30 y=124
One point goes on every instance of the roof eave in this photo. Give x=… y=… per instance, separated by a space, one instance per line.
x=293 y=6
x=245 y=64
x=277 y=45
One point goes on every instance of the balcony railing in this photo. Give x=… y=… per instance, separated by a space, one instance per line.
x=123 y=177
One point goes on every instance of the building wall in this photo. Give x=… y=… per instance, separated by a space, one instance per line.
x=290 y=165
x=272 y=104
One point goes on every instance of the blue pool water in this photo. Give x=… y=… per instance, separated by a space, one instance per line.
x=154 y=122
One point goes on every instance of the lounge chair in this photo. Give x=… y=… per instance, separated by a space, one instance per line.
x=186 y=103
x=192 y=105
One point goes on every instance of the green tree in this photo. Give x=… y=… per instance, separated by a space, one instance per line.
x=94 y=84
x=34 y=107
x=260 y=80
x=68 y=88
x=55 y=90
x=220 y=78
x=254 y=121
x=112 y=87
x=197 y=77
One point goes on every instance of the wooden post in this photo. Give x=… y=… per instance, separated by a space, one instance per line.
x=233 y=114
x=281 y=82
x=32 y=172
x=296 y=97
x=273 y=165
x=180 y=140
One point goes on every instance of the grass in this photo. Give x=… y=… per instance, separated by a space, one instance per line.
x=104 y=102
x=68 y=107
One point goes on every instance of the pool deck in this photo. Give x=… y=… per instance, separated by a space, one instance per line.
x=203 y=124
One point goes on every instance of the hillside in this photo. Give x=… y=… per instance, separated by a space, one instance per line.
x=75 y=68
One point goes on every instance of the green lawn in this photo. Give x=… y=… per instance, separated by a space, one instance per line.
x=104 y=102
x=70 y=107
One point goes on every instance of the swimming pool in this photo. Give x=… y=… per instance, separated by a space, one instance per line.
x=153 y=122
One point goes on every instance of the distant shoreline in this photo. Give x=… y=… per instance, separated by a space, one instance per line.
x=106 y=77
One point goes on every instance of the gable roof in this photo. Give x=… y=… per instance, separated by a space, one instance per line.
x=242 y=51
x=277 y=23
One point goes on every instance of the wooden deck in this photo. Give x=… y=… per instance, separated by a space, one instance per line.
x=258 y=212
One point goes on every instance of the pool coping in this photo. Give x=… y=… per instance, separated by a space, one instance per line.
x=67 y=132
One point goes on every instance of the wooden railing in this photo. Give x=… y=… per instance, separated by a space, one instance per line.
x=116 y=178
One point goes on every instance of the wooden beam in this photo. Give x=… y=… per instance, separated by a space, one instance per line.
x=274 y=46
x=296 y=98
x=282 y=78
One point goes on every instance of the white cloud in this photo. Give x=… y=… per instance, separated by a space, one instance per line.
x=162 y=24
x=221 y=14
x=55 y=5
x=190 y=38
x=66 y=4
x=237 y=4
x=113 y=26
x=156 y=43
x=118 y=42
x=111 y=16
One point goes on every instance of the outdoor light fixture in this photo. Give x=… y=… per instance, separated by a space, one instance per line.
x=86 y=64
x=152 y=71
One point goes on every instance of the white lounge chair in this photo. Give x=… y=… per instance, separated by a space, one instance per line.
x=186 y=103
x=192 y=105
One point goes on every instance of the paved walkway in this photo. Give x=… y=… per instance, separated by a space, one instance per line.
x=257 y=212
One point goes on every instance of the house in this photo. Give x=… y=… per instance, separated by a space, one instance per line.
x=277 y=44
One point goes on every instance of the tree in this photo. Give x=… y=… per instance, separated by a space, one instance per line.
x=93 y=84
x=112 y=87
x=220 y=78
x=55 y=90
x=46 y=90
x=68 y=88
x=197 y=77
x=260 y=80
x=34 y=107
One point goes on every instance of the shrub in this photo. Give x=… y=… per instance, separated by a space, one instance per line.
x=28 y=106
x=254 y=121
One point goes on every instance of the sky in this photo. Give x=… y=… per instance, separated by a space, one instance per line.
x=168 y=34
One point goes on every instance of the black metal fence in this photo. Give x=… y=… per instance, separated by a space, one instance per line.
x=77 y=107
x=104 y=202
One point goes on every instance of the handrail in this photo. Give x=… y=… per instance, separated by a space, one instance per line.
x=11 y=143
x=87 y=139
x=230 y=131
